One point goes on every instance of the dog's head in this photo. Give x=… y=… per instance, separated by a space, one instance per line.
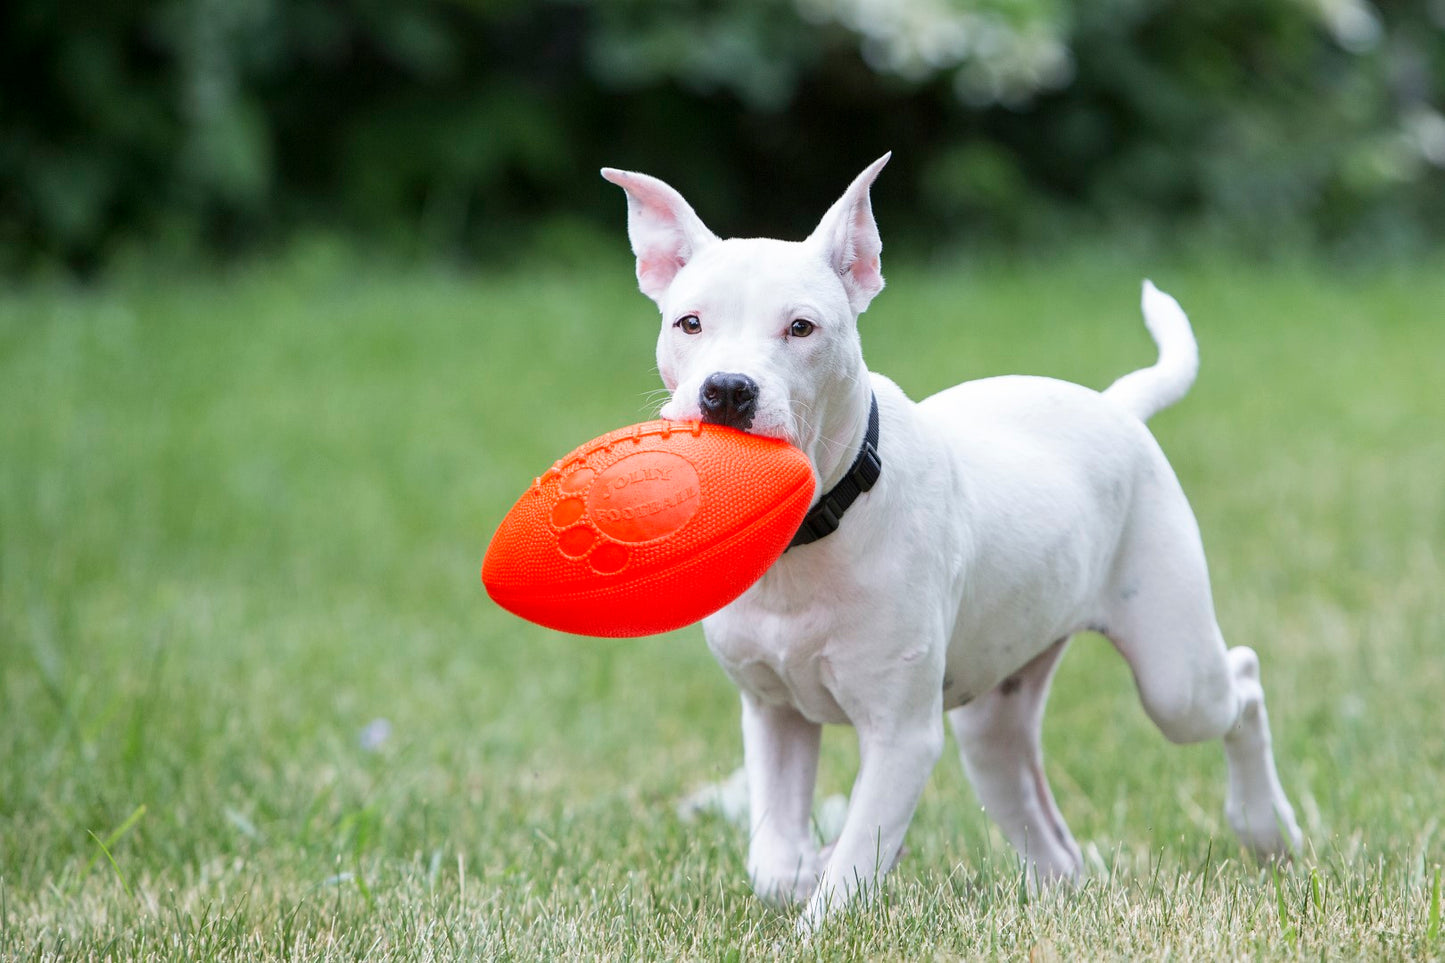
x=758 y=334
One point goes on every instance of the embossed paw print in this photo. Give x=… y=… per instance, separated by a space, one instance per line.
x=576 y=538
x=639 y=498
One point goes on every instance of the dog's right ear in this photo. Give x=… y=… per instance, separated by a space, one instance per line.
x=664 y=230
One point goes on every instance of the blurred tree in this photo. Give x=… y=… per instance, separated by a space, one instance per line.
x=457 y=126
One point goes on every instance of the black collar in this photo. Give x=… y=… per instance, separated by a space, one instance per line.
x=822 y=520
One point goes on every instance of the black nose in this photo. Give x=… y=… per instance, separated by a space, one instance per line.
x=728 y=399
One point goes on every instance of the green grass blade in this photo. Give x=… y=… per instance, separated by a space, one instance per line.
x=1432 y=925
x=109 y=841
x=113 y=865
x=1286 y=925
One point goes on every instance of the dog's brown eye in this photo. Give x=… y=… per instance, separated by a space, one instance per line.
x=801 y=328
x=689 y=324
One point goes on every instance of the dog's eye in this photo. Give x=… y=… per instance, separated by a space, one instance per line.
x=689 y=324
x=801 y=328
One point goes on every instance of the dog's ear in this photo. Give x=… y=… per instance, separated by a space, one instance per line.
x=848 y=237
x=664 y=230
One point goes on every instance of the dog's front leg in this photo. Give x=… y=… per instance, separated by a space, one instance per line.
x=780 y=752
x=896 y=757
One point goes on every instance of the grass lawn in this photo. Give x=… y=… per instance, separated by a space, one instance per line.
x=254 y=703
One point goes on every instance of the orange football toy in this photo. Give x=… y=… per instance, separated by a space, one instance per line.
x=648 y=528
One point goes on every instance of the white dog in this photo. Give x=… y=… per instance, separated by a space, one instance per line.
x=957 y=544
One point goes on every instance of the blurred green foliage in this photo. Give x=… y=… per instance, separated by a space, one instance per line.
x=458 y=126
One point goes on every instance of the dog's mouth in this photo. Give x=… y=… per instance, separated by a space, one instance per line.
x=764 y=422
x=777 y=431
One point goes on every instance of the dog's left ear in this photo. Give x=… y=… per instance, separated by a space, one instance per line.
x=665 y=231
x=849 y=239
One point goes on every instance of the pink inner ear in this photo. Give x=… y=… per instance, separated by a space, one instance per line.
x=867 y=275
x=858 y=248
x=656 y=271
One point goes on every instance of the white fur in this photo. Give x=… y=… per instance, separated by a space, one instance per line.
x=1011 y=513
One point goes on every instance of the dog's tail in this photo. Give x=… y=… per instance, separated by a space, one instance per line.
x=1148 y=391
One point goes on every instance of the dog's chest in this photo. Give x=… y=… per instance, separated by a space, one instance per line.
x=782 y=657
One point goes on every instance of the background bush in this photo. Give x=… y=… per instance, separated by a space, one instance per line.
x=454 y=126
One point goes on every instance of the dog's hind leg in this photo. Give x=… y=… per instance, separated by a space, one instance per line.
x=998 y=738
x=1194 y=689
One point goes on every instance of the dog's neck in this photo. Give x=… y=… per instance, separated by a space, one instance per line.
x=844 y=424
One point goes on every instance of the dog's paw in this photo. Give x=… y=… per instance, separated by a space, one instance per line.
x=1268 y=831
x=785 y=889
